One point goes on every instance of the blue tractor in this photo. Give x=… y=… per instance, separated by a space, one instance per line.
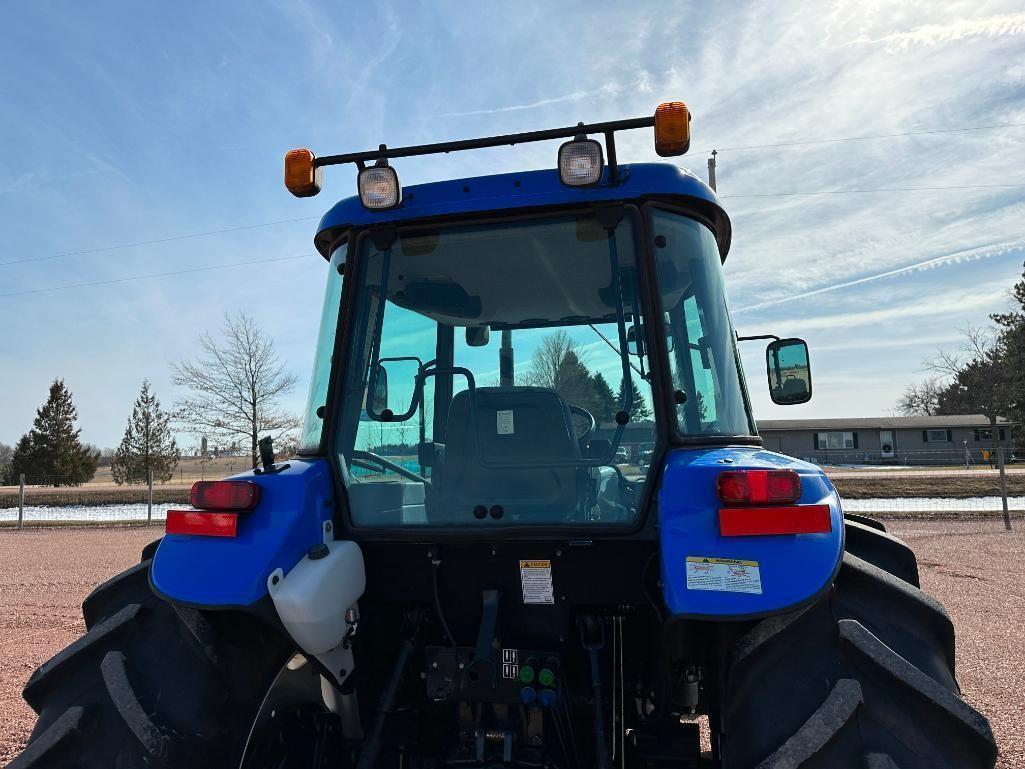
x=464 y=566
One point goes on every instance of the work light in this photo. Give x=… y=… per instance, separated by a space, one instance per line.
x=379 y=187
x=580 y=162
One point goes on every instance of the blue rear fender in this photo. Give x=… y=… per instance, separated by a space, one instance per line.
x=775 y=573
x=232 y=571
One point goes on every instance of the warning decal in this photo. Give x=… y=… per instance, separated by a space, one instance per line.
x=510 y=663
x=727 y=575
x=536 y=579
x=504 y=422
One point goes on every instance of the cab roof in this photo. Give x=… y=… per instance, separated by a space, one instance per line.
x=531 y=190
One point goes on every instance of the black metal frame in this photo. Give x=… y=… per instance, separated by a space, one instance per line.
x=607 y=129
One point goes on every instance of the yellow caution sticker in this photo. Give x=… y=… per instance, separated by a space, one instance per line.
x=727 y=575
x=536 y=580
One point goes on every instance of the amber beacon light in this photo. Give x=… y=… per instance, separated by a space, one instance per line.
x=672 y=129
x=302 y=177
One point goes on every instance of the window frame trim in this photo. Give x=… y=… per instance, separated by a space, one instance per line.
x=676 y=437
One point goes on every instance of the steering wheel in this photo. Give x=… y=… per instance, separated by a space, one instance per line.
x=592 y=423
x=387 y=464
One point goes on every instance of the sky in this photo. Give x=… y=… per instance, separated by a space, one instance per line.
x=125 y=125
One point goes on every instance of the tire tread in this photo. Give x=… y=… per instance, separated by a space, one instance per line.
x=49 y=674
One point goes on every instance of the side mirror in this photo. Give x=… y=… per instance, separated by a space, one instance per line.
x=478 y=336
x=786 y=361
x=380 y=399
x=635 y=337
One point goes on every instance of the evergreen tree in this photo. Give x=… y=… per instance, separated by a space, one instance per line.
x=605 y=404
x=638 y=406
x=51 y=449
x=573 y=382
x=1012 y=337
x=147 y=444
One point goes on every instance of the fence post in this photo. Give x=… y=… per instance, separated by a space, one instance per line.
x=1003 y=487
x=21 y=499
x=149 y=496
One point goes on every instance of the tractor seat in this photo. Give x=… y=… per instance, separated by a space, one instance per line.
x=513 y=424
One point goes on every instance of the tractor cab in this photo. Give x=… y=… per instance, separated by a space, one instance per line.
x=506 y=337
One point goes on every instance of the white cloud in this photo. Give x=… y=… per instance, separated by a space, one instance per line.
x=933 y=34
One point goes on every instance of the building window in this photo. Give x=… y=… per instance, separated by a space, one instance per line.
x=986 y=434
x=937 y=436
x=836 y=440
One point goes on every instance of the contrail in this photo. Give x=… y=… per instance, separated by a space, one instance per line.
x=982 y=252
x=517 y=107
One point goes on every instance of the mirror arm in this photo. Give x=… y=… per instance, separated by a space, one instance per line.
x=759 y=336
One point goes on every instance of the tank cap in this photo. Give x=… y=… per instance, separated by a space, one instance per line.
x=317 y=552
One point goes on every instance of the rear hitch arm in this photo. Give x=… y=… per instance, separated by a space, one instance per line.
x=386 y=705
x=592 y=638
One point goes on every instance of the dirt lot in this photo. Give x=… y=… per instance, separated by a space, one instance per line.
x=974 y=567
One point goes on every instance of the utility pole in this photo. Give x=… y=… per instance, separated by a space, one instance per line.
x=1003 y=487
x=711 y=169
x=506 y=372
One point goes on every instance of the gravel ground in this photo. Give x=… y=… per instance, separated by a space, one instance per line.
x=977 y=570
x=973 y=567
x=44 y=577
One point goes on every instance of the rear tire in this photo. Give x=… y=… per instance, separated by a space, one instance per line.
x=864 y=678
x=151 y=684
x=872 y=544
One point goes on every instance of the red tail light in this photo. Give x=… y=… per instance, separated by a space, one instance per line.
x=759 y=487
x=201 y=523
x=240 y=496
x=755 y=521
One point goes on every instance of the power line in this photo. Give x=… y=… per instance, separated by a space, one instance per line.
x=240 y=228
x=879 y=189
x=867 y=137
x=154 y=275
x=169 y=239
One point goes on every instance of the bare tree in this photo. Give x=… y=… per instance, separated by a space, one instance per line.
x=236 y=386
x=547 y=359
x=6 y=455
x=921 y=399
x=980 y=377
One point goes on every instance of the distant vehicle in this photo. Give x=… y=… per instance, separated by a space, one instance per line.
x=644 y=452
x=622 y=455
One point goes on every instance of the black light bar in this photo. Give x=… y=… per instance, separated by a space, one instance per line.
x=608 y=129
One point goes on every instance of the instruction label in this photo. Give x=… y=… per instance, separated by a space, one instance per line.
x=727 y=575
x=536 y=579
x=505 y=424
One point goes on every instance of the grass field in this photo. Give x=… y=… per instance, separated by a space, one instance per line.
x=189 y=470
x=102 y=490
x=954 y=485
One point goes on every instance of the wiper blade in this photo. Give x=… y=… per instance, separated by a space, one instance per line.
x=616 y=349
